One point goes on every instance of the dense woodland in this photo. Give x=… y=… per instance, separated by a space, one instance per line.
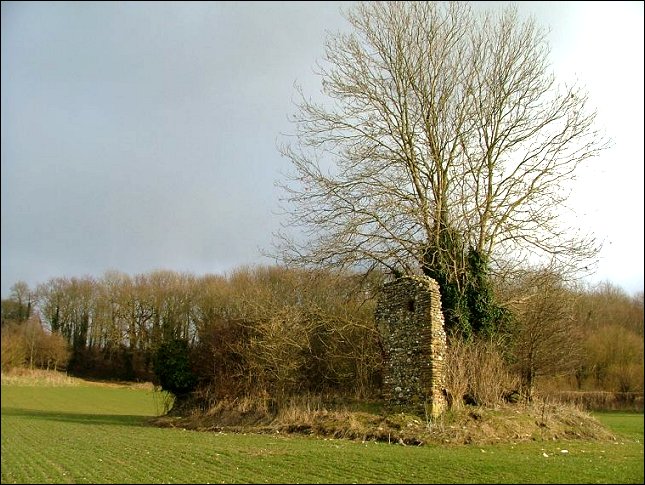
x=283 y=332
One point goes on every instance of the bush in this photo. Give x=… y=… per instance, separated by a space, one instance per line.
x=172 y=367
x=14 y=348
x=476 y=372
x=26 y=344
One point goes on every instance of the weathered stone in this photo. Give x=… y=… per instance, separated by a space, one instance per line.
x=410 y=321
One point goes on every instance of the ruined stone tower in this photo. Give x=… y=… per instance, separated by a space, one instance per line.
x=409 y=318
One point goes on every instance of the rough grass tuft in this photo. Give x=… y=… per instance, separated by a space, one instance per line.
x=38 y=377
x=51 y=378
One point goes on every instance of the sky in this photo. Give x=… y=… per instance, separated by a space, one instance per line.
x=138 y=136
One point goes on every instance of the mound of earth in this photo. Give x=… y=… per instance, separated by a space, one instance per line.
x=470 y=425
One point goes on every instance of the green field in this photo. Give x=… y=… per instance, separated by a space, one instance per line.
x=94 y=434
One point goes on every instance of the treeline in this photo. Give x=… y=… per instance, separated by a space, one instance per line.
x=585 y=338
x=279 y=332
x=262 y=329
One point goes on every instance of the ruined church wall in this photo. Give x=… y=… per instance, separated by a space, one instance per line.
x=411 y=323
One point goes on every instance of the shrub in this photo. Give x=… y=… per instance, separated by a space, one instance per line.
x=172 y=367
x=14 y=348
x=477 y=373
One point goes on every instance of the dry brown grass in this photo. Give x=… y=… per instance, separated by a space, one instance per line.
x=134 y=385
x=478 y=369
x=310 y=415
x=40 y=377
x=600 y=401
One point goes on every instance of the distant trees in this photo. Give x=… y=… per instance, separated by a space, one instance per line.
x=118 y=319
x=545 y=339
x=27 y=344
x=259 y=330
x=19 y=306
x=612 y=339
x=279 y=332
x=24 y=341
x=614 y=359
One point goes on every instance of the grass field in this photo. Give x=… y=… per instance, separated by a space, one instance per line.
x=97 y=434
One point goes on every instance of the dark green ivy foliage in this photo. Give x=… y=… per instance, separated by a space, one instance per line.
x=468 y=302
x=486 y=317
x=172 y=367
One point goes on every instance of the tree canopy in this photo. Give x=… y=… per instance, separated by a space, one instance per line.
x=442 y=144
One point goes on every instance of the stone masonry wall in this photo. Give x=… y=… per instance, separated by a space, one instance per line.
x=409 y=318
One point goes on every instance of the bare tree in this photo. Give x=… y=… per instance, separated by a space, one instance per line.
x=443 y=135
x=67 y=306
x=546 y=341
x=33 y=335
x=19 y=306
